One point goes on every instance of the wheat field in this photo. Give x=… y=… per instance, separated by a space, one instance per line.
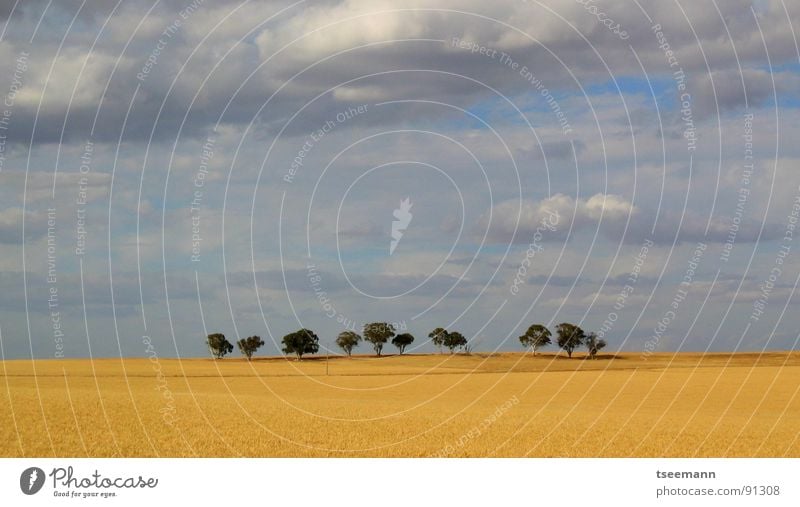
x=406 y=406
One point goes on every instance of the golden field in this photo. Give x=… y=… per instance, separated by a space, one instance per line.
x=428 y=405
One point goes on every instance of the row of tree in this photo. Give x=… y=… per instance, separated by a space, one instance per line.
x=568 y=337
x=305 y=341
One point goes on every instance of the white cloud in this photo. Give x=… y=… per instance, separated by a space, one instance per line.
x=519 y=220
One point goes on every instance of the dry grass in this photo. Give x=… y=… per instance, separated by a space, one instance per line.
x=667 y=405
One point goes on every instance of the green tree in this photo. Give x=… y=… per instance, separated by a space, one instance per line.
x=570 y=337
x=347 y=341
x=249 y=345
x=536 y=336
x=218 y=345
x=437 y=337
x=302 y=341
x=402 y=341
x=454 y=340
x=594 y=345
x=378 y=333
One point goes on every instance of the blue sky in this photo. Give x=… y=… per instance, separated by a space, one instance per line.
x=480 y=151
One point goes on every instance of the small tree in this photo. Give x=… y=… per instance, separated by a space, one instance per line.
x=249 y=345
x=378 y=333
x=454 y=340
x=594 y=345
x=437 y=337
x=570 y=337
x=536 y=336
x=347 y=341
x=218 y=345
x=303 y=341
x=402 y=341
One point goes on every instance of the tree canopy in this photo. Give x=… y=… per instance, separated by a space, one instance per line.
x=347 y=341
x=454 y=340
x=594 y=345
x=218 y=345
x=249 y=345
x=570 y=337
x=402 y=341
x=302 y=341
x=437 y=337
x=536 y=336
x=378 y=333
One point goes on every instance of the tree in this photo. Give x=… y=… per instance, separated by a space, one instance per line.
x=303 y=341
x=218 y=345
x=437 y=337
x=401 y=341
x=594 y=345
x=454 y=340
x=536 y=336
x=570 y=337
x=347 y=341
x=249 y=345
x=378 y=333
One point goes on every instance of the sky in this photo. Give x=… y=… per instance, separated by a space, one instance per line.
x=170 y=169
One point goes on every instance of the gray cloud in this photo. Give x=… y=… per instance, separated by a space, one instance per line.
x=11 y=225
x=617 y=219
x=105 y=82
x=292 y=62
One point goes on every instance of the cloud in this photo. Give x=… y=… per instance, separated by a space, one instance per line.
x=549 y=150
x=360 y=94
x=518 y=221
x=725 y=90
x=40 y=186
x=96 y=290
x=11 y=225
x=237 y=71
x=616 y=218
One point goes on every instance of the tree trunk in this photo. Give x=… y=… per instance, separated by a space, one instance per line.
x=534 y=350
